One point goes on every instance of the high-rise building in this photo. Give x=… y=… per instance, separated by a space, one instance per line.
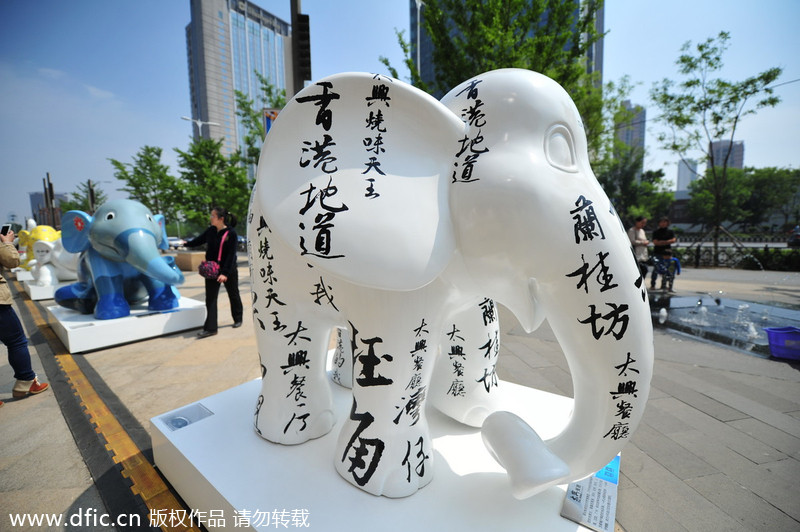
x=687 y=172
x=40 y=211
x=228 y=41
x=422 y=47
x=631 y=131
x=719 y=149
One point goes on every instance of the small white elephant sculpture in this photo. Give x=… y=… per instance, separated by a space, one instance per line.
x=52 y=263
x=382 y=211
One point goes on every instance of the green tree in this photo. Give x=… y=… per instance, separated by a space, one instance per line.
x=700 y=109
x=211 y=179
x=773 y=191
x=706 y=202
x=618 y=166
x=252 y=116
x=81 y=199
x=647 y=196
x=791 y=206
x=471 y=37
x=148 y=181
x=655 y=196
x=618 y=176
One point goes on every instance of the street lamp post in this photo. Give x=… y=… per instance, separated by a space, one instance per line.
x=200 y=124
x=92 y=194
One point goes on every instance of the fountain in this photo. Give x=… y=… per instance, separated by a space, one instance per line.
x=732 y=322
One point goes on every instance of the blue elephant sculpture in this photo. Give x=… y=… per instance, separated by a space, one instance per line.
x=120 y=263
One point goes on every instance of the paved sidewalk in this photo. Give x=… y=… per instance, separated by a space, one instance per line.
x=719 y=448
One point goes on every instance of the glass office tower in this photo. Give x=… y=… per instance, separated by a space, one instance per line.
x=227 y=42
x=631 y=132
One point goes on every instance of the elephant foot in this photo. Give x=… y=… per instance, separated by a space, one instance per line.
x=473 y=416
x=292 y=425
x=394 y=464
x=112 y=306
x=163 y=300
x=471 y=410
x=297 y=429
x=531 y=466
x=76 y=297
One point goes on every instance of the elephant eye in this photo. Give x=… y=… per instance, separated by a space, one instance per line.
x=149 y=218
x=559 y=148
x=110 y=216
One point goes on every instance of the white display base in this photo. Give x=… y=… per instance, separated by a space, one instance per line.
x=22 y=274
x=82 y=332
x=38 y=293
x=219 y=465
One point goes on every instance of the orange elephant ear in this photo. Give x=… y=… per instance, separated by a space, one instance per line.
x=354 y=176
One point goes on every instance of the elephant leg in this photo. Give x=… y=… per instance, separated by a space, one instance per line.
x=80 y=296
x=342 y=370
x=295 y=403
x=111 y=302
x=465 y=385
x=77 y=296
x=384 y=446
x=161 y=296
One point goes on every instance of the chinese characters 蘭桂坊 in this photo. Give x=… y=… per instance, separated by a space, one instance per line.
x=611 y=321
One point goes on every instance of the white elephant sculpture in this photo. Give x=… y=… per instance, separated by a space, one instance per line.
x=382 y=211
x=52 y=263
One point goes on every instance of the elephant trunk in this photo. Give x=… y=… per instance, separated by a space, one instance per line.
x=603 y=324
x=141 y=251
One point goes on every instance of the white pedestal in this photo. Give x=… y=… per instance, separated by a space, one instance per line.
x=38 y=293
x=22 y=274
x=217 y=463
x=82 y=332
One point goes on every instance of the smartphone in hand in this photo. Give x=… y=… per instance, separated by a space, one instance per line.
x=6 y=228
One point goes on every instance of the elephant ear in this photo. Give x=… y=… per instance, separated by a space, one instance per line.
x=354 y=177
x=23 y=238
x=75 y=226
x=163 y=243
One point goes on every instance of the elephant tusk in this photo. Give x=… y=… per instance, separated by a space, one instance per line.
x=531 y=466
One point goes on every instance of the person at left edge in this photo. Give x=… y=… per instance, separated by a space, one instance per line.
x=222 y=226
x=11 y=331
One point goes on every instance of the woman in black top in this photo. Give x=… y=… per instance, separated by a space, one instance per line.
x=222 y=224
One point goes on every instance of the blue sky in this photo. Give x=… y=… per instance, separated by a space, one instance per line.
x=82 y=81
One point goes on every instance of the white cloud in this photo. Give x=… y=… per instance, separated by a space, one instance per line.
x=52 y=73
x=99 y=93
x=69 y=129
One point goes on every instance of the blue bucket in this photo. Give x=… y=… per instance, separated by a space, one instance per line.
x=784 y=342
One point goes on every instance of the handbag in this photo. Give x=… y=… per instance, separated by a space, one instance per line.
x=209 y=268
